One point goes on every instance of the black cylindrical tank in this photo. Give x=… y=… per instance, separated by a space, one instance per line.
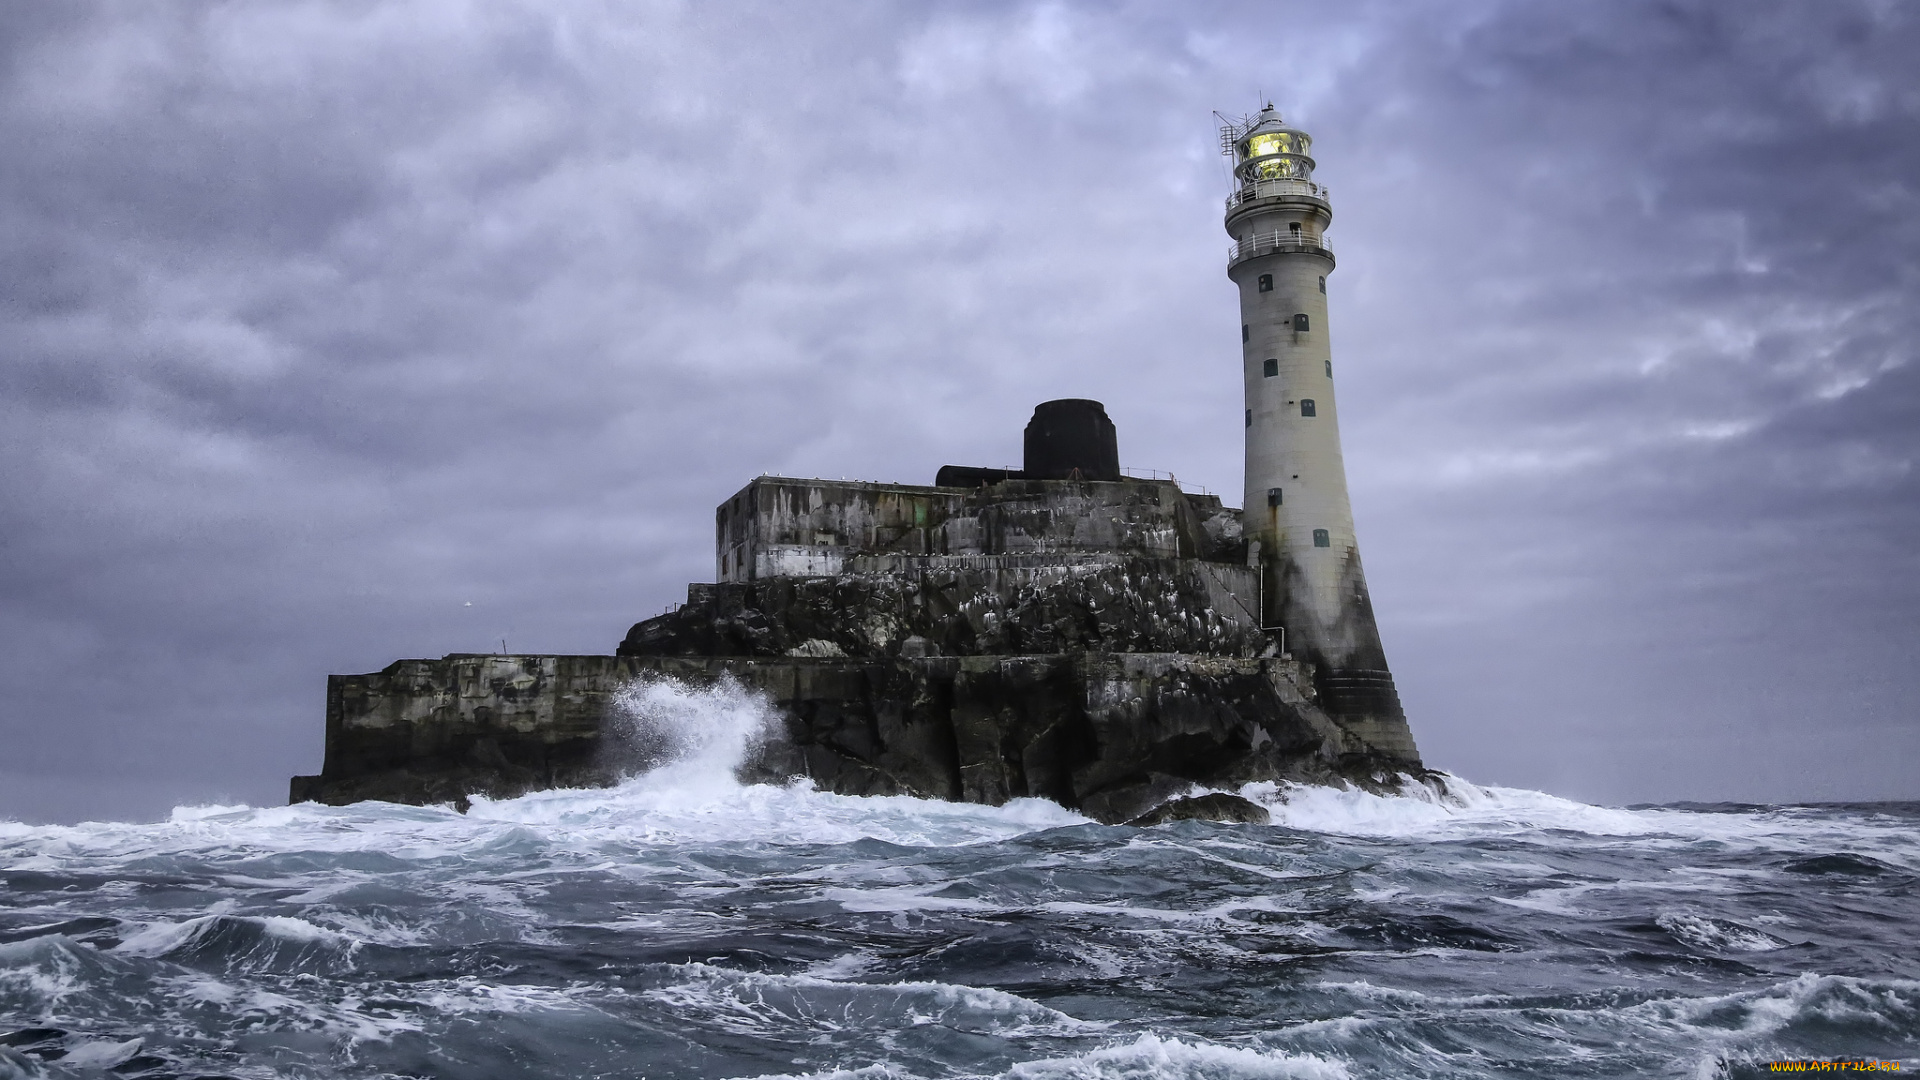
x=1069 y=436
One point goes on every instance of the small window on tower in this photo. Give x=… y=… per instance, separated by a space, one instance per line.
x=1245 y=334
x=1306 y=407
x=1320 y=538
x=1300 y=323
x=1329 y=369
x=1249 y=417
x=1273 y=496
x=1266 y=282
x=1270 y=368
x=1294 y=228
x=1323 y=283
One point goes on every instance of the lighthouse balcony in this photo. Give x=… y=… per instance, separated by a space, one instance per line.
x=1277 y=189
x=1277 y=242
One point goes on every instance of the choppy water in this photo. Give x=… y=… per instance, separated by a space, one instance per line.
x=683 y=925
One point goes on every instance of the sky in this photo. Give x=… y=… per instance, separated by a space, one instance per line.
x=336 y=333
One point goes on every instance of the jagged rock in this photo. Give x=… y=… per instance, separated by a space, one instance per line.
x=956 y=609
x=1215 y=806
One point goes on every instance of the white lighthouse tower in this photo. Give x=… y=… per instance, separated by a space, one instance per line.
x=1297 y=510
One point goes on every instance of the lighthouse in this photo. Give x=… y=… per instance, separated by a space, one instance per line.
x=1298 y=520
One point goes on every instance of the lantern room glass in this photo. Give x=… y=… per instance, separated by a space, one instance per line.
x=1277 y=142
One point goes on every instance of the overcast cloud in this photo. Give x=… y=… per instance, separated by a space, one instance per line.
x=337 y=333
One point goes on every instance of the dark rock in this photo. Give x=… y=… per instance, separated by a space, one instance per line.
x=1216 y=806
x=1095 y=605
x=1111 y=734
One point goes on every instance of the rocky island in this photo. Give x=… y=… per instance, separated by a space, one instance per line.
x=1063 y=632
x=1060 y=631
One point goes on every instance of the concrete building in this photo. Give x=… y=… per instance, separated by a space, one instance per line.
x=1298 y=520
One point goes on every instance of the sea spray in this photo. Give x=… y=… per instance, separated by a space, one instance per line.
x=686 y=736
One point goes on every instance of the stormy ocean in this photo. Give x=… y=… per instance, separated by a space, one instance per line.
x=684 y=925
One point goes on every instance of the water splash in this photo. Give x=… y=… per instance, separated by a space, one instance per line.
x=685 y=736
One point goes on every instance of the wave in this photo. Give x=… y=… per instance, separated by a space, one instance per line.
x=683 y=746
x=1152 y=1057
x=697 y=801
x=1716 y=935
x=1147 y=1057
x=755 y=1002
x=1448 y=804
x=1447 y=807
x=1713 y=1034
x=271 y=943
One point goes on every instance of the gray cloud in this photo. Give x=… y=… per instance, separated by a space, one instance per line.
x=318 y=324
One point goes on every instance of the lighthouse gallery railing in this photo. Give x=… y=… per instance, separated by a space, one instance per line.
x=1262 y=243
x=1271 y=189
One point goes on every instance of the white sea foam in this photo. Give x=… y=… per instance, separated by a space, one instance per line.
x=865 y=1072
x=161 y=938
x=468 y=995
x=1831 y=1000
x=695 y=799
x=750 y=1003
x=100 y=1054
x=1708 y=1030
x=1458 y=807
x=256 y=1005
x=685 y=745
x=207 y=812
x=687 y=737
x=1151 y=1057
x=674 y=806
x=1716 y=935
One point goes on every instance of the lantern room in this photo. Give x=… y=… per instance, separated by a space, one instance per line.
x=1265 y=148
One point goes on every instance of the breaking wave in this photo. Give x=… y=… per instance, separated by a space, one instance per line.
x=680 y=734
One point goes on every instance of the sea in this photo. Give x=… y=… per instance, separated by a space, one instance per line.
x=683 y=924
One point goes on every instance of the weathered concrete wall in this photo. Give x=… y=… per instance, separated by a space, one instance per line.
x=1110 y=734
x=779 y=527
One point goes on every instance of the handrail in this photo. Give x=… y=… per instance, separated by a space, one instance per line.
x=1269 y=189
x=1128 y=471
x=1161 y=474
x=1260 y=243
